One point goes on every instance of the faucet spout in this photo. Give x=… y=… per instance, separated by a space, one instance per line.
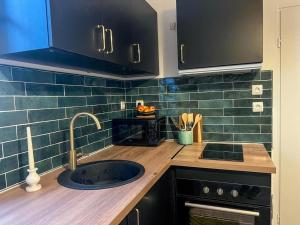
x=73 y=154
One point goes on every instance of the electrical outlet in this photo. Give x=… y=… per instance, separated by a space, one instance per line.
x=139 y=102
x=258 y=106
x=122 y=105
x=257 y=89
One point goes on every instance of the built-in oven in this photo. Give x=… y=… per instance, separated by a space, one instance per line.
x=215 y=197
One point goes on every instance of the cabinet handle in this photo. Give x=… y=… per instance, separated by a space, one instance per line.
x=137 y=216
x=102 y=28
x=181 y=53
x=111 y=41
x=139 y=53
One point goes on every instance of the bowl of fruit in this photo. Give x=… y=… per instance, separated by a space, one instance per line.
x=145 y=110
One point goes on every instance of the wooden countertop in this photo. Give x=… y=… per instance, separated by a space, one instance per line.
x=256 y=159
x=57 y=205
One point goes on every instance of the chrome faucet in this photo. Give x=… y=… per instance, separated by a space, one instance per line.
x=73 y=154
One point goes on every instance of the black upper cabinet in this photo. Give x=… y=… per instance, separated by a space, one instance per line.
x=215 y=33
x=95 y=35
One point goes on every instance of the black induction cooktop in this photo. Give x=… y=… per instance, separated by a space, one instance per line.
x=224 y=152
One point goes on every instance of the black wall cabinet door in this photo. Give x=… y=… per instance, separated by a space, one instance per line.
x=219 y=32
x=144 y=38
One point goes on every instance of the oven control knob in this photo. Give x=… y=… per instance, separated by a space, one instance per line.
x=234 y=193
x=220 y=191
x=206 y=190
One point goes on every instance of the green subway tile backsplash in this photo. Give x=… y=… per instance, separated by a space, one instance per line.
x=46 y=101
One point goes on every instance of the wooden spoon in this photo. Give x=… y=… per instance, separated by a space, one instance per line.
x=198 y=118
x=184 y=118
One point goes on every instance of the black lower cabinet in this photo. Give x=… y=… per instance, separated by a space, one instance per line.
x=157 y=206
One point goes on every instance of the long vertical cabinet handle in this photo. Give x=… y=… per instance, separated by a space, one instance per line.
x=181 y=53
x=111 y=41
x=139 y=53
x=137 y=216
x=102 y=29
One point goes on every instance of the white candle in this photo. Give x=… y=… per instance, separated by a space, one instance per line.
x=30 y=149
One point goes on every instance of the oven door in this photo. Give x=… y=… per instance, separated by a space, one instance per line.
x=200 y=214
x=194 y=212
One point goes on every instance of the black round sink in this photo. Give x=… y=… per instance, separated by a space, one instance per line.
x=101 y=174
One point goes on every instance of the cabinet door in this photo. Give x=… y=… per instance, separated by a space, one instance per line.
x=157 y=206
x=144 y=39
x=75 y=26
x=219 y=32
x=116 y=14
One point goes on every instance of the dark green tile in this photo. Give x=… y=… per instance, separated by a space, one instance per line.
x=100 y=109
x=98 y=136
x=114 y=107
x=35 y=102
x=73 y=111
x=215 y=87
x=45 y=115
x=44 y=166
x=8 y=133
x=8 y=164
x=38 y=128
x=94 y=81
x=213 y=128
x=100 y=91
x=117 y=91
x=60 y=136
x=242 y=129
x=69 y=79
x=30 y=75
x=6 y=103
x=96 y=100
x=257 y=138
x=248 y=85
x=218 y=137
x=46 y=152
x=80 y=142
x=108 y=142
x=267 y=111
x=1 y=153
x=2 y=182
x=211 y=104
x=217 y=120
x=174 y=81
x=266 y=128
x=114 y=83
x=206 y=95
x=237 y=94
x=253 y=120
x=71 y=101
x=266 y=75
x=5 y=73
x=174 y=97
x=12 y=88
x=16 y=176
x=44 y=90
x=60 y=160
x=132 y=91
x=115 y=99
x=171 y=112
x=12 y=118
x=182 y=88
x=215 y=78
x=146 y=98
x=185 y=104
x=248 y=102
x=151 y=90
x=77 y=91
x=208 y=112
x=23 y=159
x=92 y=147
x=145 y=83
x=65 y=123
x=240 y=112
x=242 y=76
x=14 y=147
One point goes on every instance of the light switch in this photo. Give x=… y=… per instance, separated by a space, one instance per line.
x=258 y=106
x=257 y=89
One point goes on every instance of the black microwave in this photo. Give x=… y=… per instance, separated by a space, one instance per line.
x=138 y=132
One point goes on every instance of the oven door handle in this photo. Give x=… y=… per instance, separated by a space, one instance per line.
x=222 y=209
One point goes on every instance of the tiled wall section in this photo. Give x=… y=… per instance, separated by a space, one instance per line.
x=46 y=101
x=225 y=101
